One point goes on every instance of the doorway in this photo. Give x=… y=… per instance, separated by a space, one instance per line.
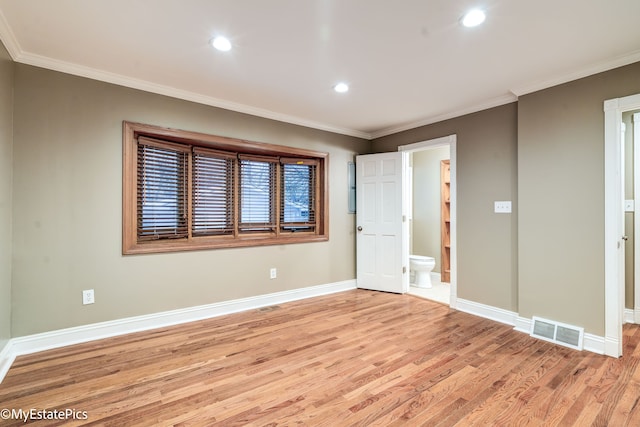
x=614 y=222
x=441 y=292
x=631 y=186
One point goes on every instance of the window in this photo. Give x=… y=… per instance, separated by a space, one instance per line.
x=257 y=194
x=299 y=194
x=162 y=190
x=212 y=196
x=184 y=191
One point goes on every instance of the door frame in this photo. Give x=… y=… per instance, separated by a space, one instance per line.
x=613 y=221
x=451 y=141
x=635 y=131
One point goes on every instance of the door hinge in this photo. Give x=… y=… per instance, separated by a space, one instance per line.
x=404 y=218
x=404 y=269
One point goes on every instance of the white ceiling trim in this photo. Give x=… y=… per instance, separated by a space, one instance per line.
x=78 y=70
x=610 y=64
x=121 y=80
x=9 y=38
x=18 y=55
x=619 y=61
x=495 y=102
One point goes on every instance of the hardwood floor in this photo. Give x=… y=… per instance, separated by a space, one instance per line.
x=353 y=358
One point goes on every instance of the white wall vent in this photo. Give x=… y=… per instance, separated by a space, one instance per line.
x=556 y=332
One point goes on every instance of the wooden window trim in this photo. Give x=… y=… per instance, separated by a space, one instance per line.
x=198 y=141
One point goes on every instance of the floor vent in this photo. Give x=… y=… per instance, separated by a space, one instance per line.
x=556 y=332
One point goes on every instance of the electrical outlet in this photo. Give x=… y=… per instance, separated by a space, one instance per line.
x=88 y=297
x=273 y=273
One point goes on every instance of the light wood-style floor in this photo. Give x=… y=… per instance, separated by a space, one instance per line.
x=353 y=358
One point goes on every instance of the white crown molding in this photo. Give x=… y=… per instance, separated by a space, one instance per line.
x=19 y=55
x=63 y=337
x=610 y=64
x=16 y=52
x=9 y=38
x=130 y=82
x=495 y=102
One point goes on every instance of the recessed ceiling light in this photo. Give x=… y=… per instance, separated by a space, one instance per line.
x=473 y=18
x=341 y=88
x=221 y=43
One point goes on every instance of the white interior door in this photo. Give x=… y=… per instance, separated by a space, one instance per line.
x=382 y=260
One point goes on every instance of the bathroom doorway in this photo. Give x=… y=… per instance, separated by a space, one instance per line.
x=631 y=166
x=614 y=216
x=425 y=214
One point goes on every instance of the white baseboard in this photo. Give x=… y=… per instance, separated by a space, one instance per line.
x=63 y=337
x=592 y=343
x=523 y=325
x=60 y=338
x=487 y=311
x=6 y=358
x=631 y=315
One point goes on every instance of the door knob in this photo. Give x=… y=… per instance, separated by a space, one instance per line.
x=359 y=228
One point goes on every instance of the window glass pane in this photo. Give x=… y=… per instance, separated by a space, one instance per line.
x=298 y=186
x=212 y=195
x=161 y=193
x=257 y=195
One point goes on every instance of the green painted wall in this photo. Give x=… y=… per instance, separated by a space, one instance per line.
x=486 y=172
x=561 y=197
x=68 y=209
x=6 y=198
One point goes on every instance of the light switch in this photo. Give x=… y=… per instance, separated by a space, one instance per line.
x=502 y=207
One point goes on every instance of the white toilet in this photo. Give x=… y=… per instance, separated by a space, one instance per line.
x=420 y=268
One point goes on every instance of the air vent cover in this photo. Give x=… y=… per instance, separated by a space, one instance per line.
x=556 y=332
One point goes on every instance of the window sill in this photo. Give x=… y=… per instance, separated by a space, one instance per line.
x=202 y=243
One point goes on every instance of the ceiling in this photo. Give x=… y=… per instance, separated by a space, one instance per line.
x=408 y=62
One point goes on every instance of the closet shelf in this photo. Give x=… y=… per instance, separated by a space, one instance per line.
x=445 y=220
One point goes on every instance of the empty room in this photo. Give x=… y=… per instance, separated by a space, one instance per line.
x=319 y=213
